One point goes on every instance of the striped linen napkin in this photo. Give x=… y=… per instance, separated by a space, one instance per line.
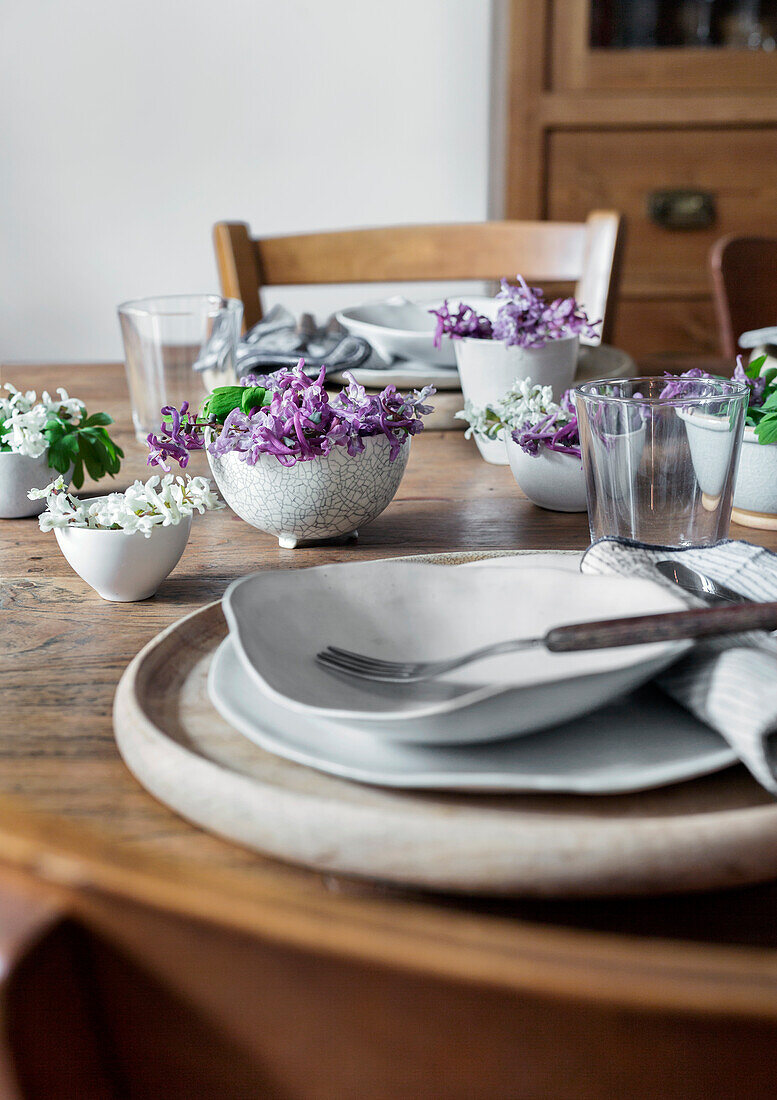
x=728 y=682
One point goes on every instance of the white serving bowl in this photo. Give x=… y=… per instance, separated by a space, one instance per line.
x=488 y=368
x=325 y=498
x=19 y=474
x=550 y=479
x=400 y=329
x=124 y=567
x=755 y=491
x=410 y=611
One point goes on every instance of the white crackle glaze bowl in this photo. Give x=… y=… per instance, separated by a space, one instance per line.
x=124 y=567
x=755 y=491
x=549 y=479
x=325 y=498
x=19 y=474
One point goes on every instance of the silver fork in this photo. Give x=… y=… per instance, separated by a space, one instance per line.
x=603 y=634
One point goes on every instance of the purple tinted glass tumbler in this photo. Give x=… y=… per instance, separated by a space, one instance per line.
x=660 y=457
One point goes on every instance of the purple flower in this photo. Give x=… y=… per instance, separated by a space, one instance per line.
x=557 y=431
x=301 y=423
x=524 y=318
x=757 y=386
x=465 y=322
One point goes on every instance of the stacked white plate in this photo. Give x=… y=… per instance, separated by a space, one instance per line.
x=519 y=722
x=401 y=333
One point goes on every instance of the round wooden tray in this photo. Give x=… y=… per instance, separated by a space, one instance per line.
x=714 y=832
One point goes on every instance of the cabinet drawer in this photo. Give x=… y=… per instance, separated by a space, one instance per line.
x=613 y=169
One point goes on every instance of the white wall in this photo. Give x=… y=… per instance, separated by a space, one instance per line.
x=127 y=129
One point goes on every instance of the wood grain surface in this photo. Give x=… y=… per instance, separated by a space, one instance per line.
x=71 y=814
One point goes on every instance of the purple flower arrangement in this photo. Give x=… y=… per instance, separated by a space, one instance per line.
x=762 y=401
x=524 y=319
x=557 y=430
x=290 y=416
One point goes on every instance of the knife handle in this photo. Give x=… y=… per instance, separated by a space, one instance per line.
x=669 y=626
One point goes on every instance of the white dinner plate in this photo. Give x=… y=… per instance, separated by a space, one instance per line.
x=637 y=742
x=402 y=610
x=602 y=361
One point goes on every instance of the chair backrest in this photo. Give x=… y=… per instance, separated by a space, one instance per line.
x=586 y=253
x=744 y=280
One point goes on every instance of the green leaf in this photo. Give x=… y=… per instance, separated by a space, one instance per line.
x=753 y=370
x=59 y=457
x=78 y=473
x=96 y=420
x=770 y=376
x=222 y=401
x=766 y=431
x=90 y=459
x=770 y=402
x=253 y=398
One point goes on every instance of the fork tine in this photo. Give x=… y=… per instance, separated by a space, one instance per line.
x=338 y=665
x=351 y=666
x=367 y=662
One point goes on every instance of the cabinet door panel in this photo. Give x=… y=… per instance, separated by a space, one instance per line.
x=617 y=169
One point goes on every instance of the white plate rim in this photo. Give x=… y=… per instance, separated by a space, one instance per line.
x=669 y=651
x=273 y=741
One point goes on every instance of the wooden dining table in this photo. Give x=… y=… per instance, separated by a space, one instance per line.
x=145 y=957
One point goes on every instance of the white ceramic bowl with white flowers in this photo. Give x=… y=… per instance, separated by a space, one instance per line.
x=550 y=479
x=24 y=448
x=125 y=544
x=41 y=438
x=327 y=497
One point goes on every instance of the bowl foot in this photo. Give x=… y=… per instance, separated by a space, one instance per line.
x=763 y=521
x=288 y=542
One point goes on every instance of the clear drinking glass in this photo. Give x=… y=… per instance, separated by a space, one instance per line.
x=177 y=348
x=660 y=456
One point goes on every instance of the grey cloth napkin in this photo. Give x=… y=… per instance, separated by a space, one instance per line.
x=730 y=683
x=280 y=340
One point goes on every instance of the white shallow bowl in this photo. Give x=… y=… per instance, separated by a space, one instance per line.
x=326 y=498
x=398 y=328
x=406 y=610
x=123 y=567
x=595 y=754
x=19 y=474
x=550 y=479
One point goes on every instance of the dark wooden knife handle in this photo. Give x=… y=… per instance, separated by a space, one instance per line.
x=665 y=627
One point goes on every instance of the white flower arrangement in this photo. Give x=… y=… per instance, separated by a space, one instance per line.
x=23 y=418
x=523 y=404
x=157 y=502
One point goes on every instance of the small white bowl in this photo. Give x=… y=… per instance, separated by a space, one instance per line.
x=755 y=491
x=124 y=567
x=549 y=479
x=326 y=498
x=19 y=474
x=488 y=368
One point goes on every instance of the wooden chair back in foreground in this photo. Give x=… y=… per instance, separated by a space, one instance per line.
x=744 y=280
x=586 y=253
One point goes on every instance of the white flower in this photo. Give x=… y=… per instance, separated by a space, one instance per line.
x=71 y=406
x=142 y=507
x=23 y=418
x=524 y=403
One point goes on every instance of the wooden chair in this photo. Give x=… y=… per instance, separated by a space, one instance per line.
x=586 y=253
x=744 y=280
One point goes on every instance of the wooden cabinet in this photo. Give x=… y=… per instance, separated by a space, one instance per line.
x=682 y=141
